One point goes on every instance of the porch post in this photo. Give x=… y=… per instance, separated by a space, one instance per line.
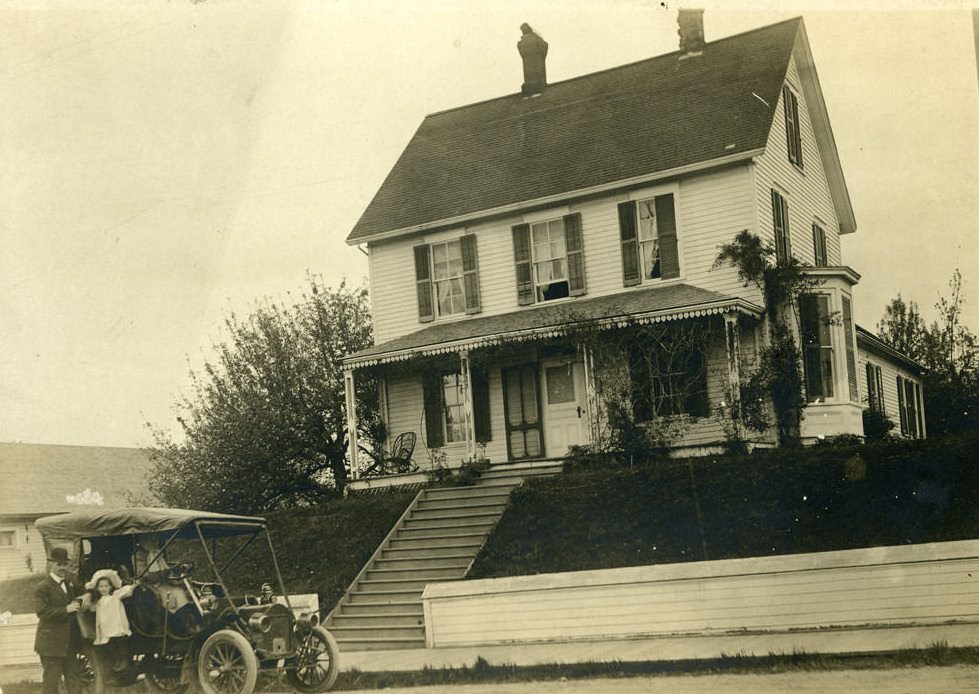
x=732 y=345
x=351 y=399
x=591 y=397
x=467 y=403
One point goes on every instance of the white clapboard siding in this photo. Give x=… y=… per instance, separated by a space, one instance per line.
x=806 y=191
x=17 y=641
x=908 y=585
x=27 y=543
x=711 y=209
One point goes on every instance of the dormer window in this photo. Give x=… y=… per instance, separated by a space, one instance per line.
x=647 y=233
x=793 y=134
x=549 y=259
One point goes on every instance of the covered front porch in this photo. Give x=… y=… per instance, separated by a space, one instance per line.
x=530 y=385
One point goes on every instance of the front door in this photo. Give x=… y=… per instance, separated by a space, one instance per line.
x=521 y=398
x=565 y=416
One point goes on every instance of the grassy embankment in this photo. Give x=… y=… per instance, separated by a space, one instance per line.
x=320 y=549
x=773 y=502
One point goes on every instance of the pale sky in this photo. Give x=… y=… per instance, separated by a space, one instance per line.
x=163 y=163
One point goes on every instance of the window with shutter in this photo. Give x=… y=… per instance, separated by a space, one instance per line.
x=445 y=420
x=793 y=134
x=481 y=405
x=901 y=407
x=447 y=275
x=549 y=259
x=780 y=221
x=875 y=388
x=648 y=236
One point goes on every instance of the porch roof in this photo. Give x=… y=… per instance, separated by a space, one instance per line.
x=652 y=305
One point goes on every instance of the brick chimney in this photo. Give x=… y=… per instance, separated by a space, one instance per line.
x=533 y=51
x=691 y=30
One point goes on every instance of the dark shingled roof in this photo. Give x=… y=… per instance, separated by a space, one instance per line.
x=679 y=298
x=635 y=120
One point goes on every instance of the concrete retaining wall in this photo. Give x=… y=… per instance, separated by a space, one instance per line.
x=882 y=586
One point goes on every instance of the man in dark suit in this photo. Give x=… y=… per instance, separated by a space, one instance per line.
x=58 y=638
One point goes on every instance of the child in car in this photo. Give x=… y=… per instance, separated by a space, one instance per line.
x=105 y=596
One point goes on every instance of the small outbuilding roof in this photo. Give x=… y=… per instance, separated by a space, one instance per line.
x=37 y=479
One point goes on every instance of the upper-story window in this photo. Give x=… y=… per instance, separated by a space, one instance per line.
x=817 y=346
x=909 y=407
x=549 y=258
x=647 y=233
x=780 y=222
x=447 y=278
x=793 y=134
x=819 y=246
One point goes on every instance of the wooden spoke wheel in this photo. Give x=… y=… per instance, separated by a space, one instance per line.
x=317 y=663
x=227 y=664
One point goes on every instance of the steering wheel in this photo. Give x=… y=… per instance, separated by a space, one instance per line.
x=181 y=570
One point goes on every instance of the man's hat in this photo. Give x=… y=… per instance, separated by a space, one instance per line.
x=59 y=555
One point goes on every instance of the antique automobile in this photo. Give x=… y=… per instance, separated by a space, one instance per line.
x=191 y=624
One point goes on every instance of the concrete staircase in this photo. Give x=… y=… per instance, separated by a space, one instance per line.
x=436 y=539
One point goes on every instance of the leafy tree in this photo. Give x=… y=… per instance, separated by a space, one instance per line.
x=264 y=426
x=947 y=349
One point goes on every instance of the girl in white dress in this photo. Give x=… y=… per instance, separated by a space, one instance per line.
x=111 y=624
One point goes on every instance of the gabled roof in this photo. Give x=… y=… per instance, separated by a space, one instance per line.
x=663 y=115
x=36 y=478
x=656 y=304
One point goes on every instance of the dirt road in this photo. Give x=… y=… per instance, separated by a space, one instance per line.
x=948 y=680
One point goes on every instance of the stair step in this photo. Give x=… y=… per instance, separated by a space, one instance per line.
x=442 y=530
x=487 y=511
x=476 y=492
x=527 y=472
x=380 y=644
x=433 y=541
x=411 y=522
x=342 y=634
x=362 y=620
x=495 y=497
x=383 y=585
x=432 y=574
x=392 y=597
x=451 y=561
x=372 y=609
x=414 y=550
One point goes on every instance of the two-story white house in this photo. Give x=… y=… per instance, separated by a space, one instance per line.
x=603 y=200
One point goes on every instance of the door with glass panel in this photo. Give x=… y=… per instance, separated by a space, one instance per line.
x=565 y=414
x=521 y=398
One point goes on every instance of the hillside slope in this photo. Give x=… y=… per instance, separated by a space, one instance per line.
x=773 y=502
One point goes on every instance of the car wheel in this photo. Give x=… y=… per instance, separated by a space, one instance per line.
x=90 y=673
x=227 y=664
x=317 y=663
x=164 y=676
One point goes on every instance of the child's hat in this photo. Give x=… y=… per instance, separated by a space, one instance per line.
x=104 y=573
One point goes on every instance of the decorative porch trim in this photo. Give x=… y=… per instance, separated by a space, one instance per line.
x=737 y=305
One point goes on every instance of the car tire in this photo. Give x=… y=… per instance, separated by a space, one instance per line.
x=90 y=672
x=165 y=677
x=316 y=666
x=227 y=664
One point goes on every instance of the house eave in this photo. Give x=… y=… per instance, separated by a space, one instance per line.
x=869 y=342
x=560 y=198
x=726 y=305
x=845 y=272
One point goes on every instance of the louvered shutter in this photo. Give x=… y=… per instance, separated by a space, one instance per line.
x=780 y=222
x=470 y=273
x=851 y=359
x=576 y=254
x=666 y=231
x=902 y=410
x=432 y=395
x=880 y=389
x=871 y=387
x=423 y=284
x=630 y=243
x=481 y=405
x=521 y=259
